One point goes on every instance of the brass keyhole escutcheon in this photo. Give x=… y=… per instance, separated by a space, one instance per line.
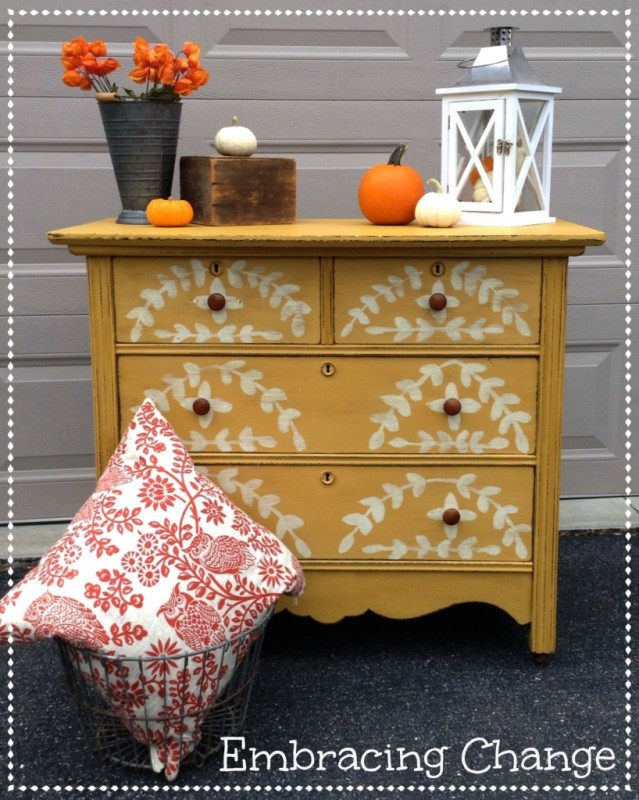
x=328 y=369
x=216 y=268
x=328 y=477
x=438 y=269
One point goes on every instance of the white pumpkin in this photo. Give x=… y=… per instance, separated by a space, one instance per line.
x=235 y=140
x=480 y=190
x=437 y=209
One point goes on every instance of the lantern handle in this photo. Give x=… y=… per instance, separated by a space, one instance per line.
x=467 y=63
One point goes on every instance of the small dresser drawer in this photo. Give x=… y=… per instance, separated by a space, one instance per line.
x=429 y=301
x=389 y=513
x=220 y=301
x=310 y=404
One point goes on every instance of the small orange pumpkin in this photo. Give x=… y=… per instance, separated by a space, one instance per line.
x=388 y=193
x=487 y=164
x=169 y=213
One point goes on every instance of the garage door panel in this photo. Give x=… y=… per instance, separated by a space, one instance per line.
x=336 y=89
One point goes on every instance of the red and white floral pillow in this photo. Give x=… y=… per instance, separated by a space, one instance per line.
x=157 y=561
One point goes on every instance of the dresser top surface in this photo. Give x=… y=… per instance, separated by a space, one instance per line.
x=344 y=233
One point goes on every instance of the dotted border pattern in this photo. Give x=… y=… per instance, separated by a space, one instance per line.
x=628 y=650
x=350 y=789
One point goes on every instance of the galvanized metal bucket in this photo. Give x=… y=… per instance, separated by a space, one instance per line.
x=142 y=136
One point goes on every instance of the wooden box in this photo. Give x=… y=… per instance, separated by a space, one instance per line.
x=229 y=190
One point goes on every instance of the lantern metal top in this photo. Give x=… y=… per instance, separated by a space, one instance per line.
x=501 y=35
x=501 y=63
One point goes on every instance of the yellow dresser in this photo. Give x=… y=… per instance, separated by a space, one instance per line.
x=386 y=399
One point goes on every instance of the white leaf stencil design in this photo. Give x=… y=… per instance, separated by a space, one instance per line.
x=476 y=282
x=282 y=296
x=512 y=422
x=464 y=495
x=194 y=383
x=286 y=525
x=388 y=293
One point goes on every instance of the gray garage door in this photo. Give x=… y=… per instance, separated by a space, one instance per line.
x=334 y=85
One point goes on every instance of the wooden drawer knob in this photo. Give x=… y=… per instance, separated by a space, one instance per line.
x=216 y=301
x=451 y=516
x=437 y=301
x=201 y=406
x=452 y=406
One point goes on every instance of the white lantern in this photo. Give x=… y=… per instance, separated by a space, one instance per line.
x=497 y=138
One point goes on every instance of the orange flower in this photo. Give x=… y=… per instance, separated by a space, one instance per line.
x=76 y=47
x=82 y=68
x=98 y=48
x=76 y=79
x=198 y=77
x=73 y=51
x=108 y=65
x=181 y=64
x=140 y=49
x=182 y=86
x=141 y=59
x=192 y=53
x=191 y=81
x=166 y=66
x=165 y=75
x=153 y=65
x=95 y=67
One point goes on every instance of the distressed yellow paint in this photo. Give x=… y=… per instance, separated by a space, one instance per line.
x=337 y=412
x=309 y=458
x=503 y=307
x=261 y=299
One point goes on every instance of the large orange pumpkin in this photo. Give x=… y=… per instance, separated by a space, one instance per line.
x=388 y=193
x=169 y=213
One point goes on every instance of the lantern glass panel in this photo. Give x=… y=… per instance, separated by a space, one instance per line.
x=531 y=174
x=476 y=128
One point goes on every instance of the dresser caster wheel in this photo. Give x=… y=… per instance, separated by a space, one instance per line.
x=542 y=658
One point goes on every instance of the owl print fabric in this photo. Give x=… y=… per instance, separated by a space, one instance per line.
x=157 y=561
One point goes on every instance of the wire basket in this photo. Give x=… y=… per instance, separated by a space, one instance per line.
x=94 y=679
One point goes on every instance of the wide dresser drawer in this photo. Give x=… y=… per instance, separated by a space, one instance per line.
x=339 y=404
x=225 y=300
x=437 y=301
x=389 y=512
